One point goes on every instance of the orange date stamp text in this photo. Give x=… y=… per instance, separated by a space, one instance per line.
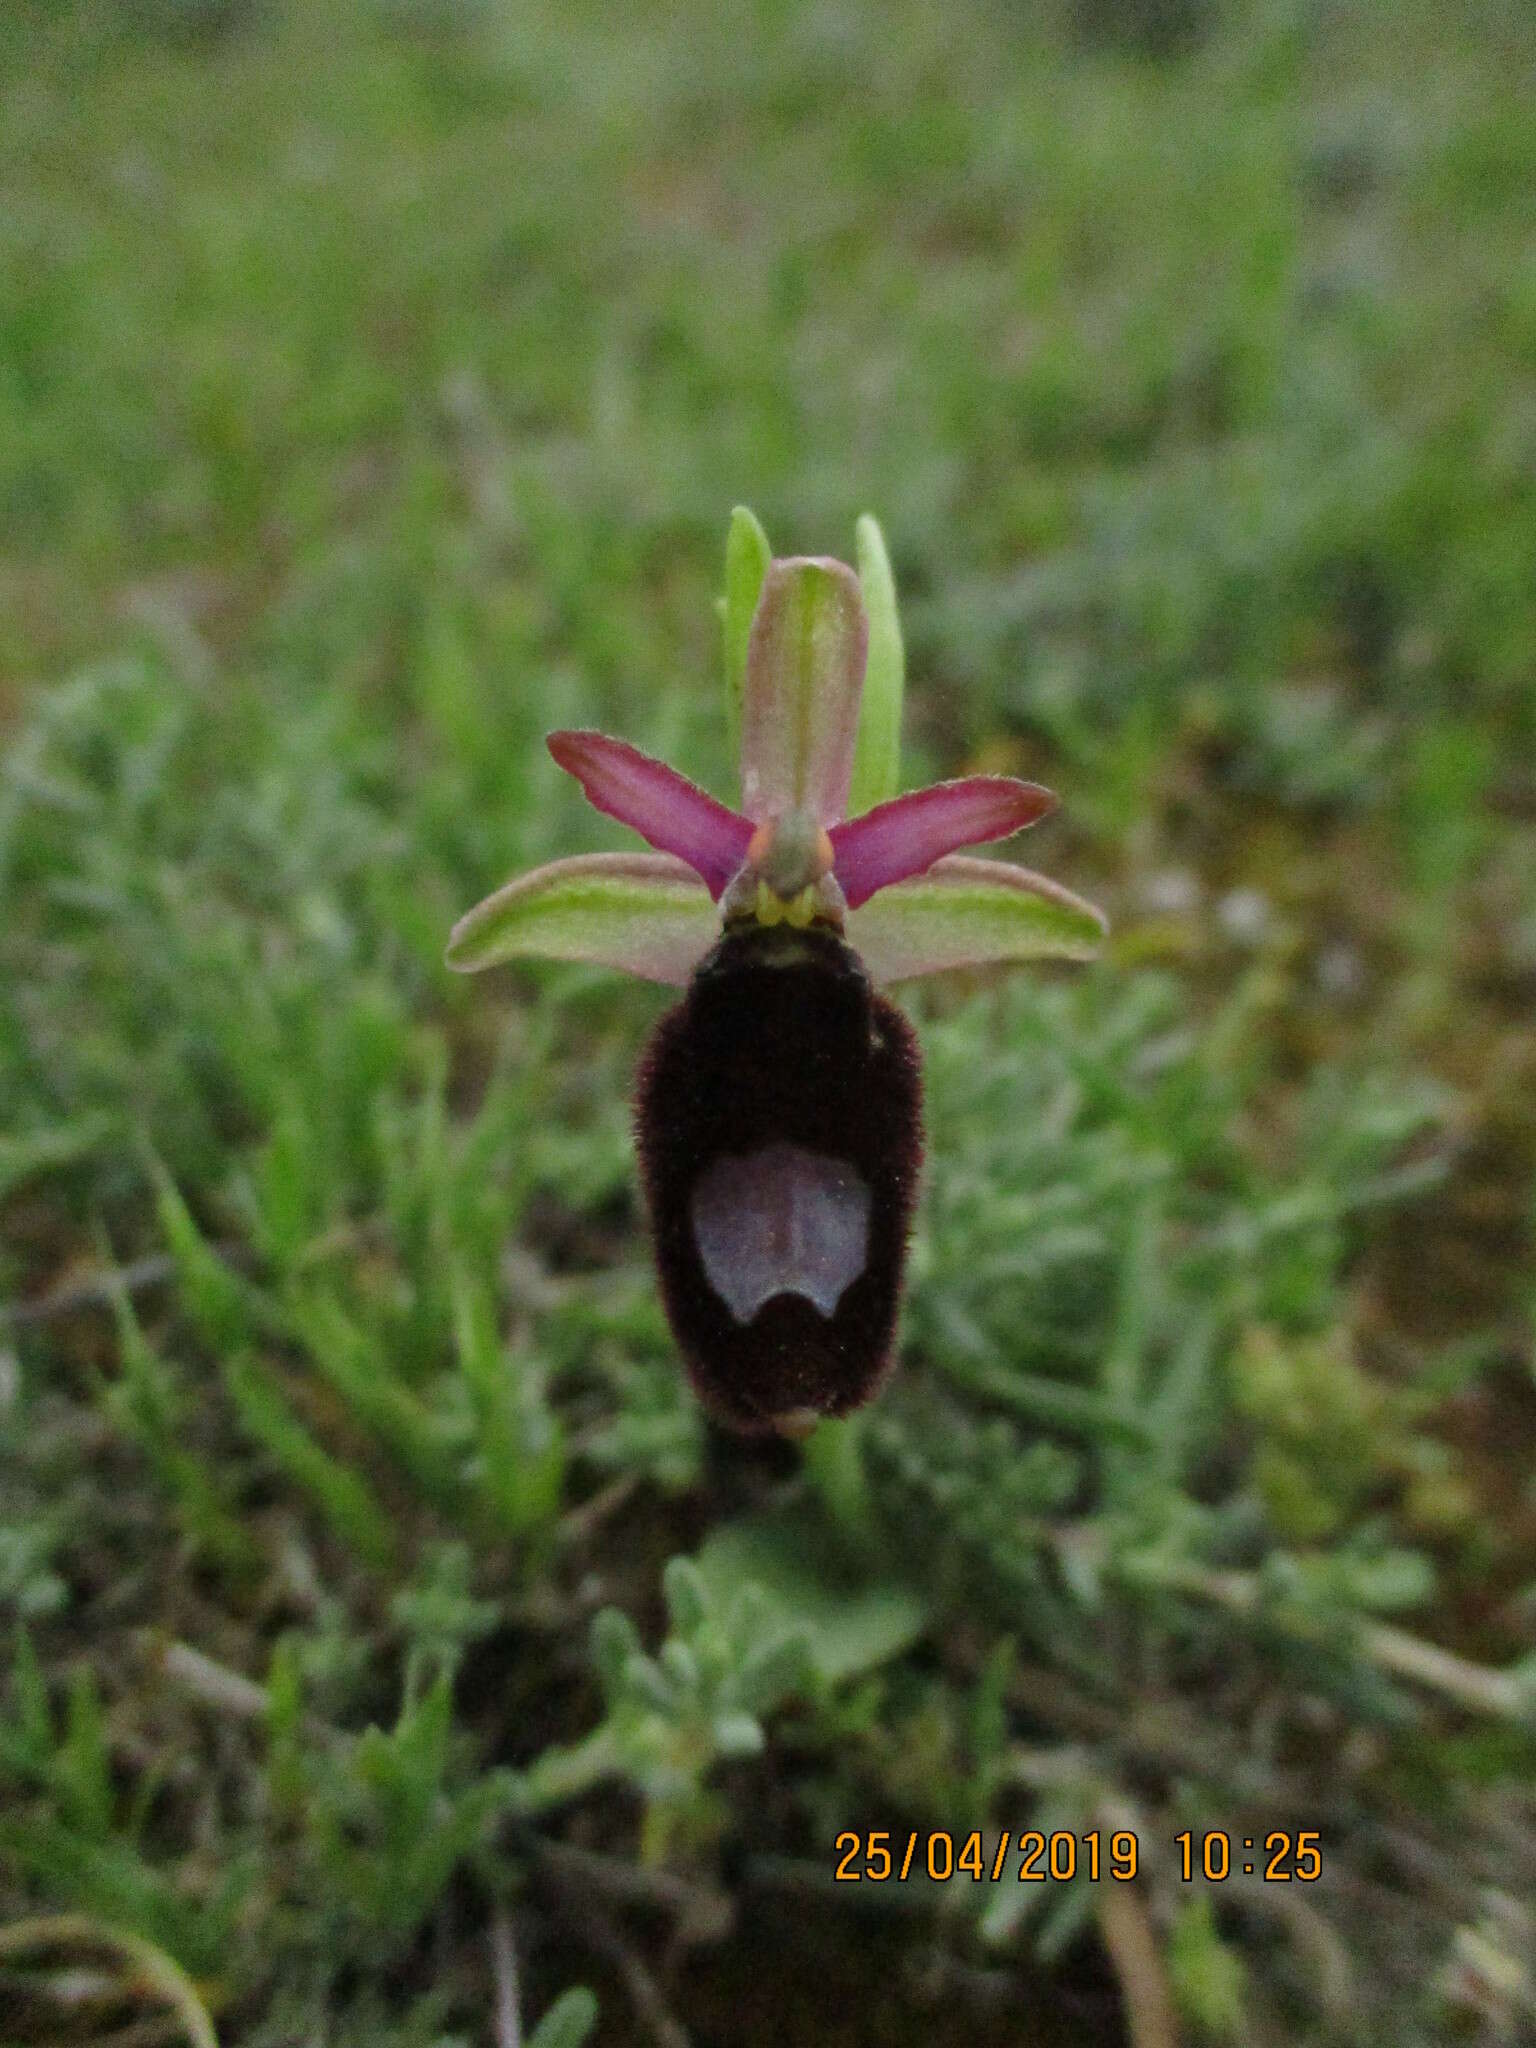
x=877 y=1856
x=1212 y=1856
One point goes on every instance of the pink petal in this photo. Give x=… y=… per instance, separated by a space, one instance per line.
x=907 y=835
x=805 y=675
x=665 y=808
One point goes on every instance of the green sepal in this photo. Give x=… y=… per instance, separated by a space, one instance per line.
x=747 y=555
x=877 y=751
x=805 y=674
x=643 y=913
x=970 y=912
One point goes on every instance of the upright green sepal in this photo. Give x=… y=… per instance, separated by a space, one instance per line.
x=877 y=753
x=800 y=706
x=747 y=555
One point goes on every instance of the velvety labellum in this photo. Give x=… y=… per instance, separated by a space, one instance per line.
x=780 y=1221
x=779 y=1124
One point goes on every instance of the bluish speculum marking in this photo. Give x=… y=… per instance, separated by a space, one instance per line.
x=781 y=1220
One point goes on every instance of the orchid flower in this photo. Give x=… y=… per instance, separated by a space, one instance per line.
x=778 y=1113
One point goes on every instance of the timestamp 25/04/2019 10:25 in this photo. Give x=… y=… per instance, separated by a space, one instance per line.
x=876 y=1856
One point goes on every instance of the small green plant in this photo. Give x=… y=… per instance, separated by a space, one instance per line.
x=701 y=1700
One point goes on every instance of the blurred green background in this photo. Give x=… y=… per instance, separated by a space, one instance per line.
x=386 y=1647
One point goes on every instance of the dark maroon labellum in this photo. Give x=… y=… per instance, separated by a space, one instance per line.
x=779 y=1122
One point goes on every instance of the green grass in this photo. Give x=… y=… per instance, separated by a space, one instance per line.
x=375 y=385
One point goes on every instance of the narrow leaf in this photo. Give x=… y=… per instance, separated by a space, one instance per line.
x=568 y=2021
x=342 y=1494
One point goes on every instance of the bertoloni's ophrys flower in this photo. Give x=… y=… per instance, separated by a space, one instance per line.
x=778 y=1113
